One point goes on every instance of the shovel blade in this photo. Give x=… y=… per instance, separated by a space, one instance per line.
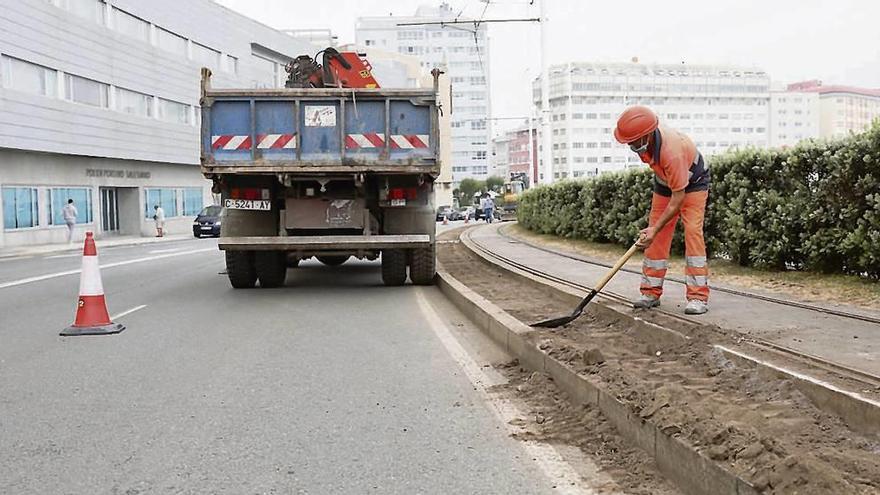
x=564 y=320
x=555 y=322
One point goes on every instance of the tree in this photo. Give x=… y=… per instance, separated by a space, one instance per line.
x=495 y=183
x=468 y=187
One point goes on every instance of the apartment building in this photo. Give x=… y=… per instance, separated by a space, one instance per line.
x=461 y=51
x=794 y=117
x=719 y=107
x=843 y=109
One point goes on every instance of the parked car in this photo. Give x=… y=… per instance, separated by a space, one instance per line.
x=208 y=222
x=469 y=212
x=446 y=211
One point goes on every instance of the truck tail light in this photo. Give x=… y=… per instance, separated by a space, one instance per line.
x=249 y=193
x=409 y=193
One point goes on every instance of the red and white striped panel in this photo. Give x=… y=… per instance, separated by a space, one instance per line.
x=276 y=141
x=368 y=140
x=409 y=141
x=231 y=142
x=375 y=140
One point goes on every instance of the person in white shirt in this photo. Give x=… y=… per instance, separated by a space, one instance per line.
x=69 y=213
x=159 y=217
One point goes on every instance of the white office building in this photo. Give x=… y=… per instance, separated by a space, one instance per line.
x=99 y=103
x=794 y=117
x=718 y=107
x=464 y=55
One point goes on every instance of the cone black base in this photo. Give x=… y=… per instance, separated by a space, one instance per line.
x=110 y=329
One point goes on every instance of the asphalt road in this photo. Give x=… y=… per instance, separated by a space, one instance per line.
x=333 y=384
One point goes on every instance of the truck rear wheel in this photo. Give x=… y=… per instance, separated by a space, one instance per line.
x=240 y=269
x=423 y=266
x=271 y=268
x=333 y=260
x=393 y=267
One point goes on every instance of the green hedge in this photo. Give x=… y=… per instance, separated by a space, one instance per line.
x=814 y=207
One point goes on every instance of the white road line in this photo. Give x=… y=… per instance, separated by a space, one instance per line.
x=128 y=312
x=48 y=276
x=551 y=463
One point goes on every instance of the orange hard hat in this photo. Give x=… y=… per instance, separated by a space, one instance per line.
x=635 y=123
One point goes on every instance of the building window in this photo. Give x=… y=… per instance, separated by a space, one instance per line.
x=86 y=91
x=171 y=111
x=29 y=78
x=82 y=200
x=20 y=208
x=134 y=103
x=193 y=201
x=92 y=10
x=478 y=125
x=206 y=56
x=171 y=42
x=165 y=198
x=479 y=155
x=130 y=25
x=231 y=64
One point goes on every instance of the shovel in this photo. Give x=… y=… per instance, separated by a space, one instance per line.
x=562 y=320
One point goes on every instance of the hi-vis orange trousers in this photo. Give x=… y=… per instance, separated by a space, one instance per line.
x=656 y=258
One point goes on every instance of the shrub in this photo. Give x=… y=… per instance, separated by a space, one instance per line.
x=815 y=206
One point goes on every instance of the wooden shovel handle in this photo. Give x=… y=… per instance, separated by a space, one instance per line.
x=617 y=266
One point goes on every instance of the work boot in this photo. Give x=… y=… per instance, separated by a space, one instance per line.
x=696 y=307
x=646 y=302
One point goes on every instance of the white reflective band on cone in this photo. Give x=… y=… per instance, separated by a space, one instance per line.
x=90 y=280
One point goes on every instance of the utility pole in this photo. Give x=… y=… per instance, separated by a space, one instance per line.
x=546 y=141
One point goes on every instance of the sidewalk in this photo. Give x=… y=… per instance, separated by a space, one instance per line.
x=19 y=251
x=850 y=342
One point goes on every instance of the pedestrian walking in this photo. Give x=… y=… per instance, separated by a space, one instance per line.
x=681 y=188
x=69 y=214
x=159 y=217
x=490 y=209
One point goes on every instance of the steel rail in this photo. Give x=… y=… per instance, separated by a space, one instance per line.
x=728 y=290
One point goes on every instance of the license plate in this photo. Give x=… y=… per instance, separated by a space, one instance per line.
x=206 y=228
x=398 y=202
x=248 y=204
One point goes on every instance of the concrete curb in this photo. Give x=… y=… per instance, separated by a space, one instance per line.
x=688 y=469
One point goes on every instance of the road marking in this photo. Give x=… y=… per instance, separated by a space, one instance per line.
x=549 y=460
x=49 y=276
x=128 y=312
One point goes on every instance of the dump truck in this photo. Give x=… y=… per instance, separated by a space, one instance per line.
x=326 y=167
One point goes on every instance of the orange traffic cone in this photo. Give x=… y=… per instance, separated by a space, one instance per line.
x=91 y=311
x=445 y=220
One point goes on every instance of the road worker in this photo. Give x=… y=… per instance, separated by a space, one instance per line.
x=681 y=187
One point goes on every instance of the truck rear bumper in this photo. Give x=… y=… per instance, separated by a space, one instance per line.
x=325 y=243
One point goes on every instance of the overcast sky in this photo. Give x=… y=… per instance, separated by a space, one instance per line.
x=837 y=41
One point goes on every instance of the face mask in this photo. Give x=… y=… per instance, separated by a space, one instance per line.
x=639 y=149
